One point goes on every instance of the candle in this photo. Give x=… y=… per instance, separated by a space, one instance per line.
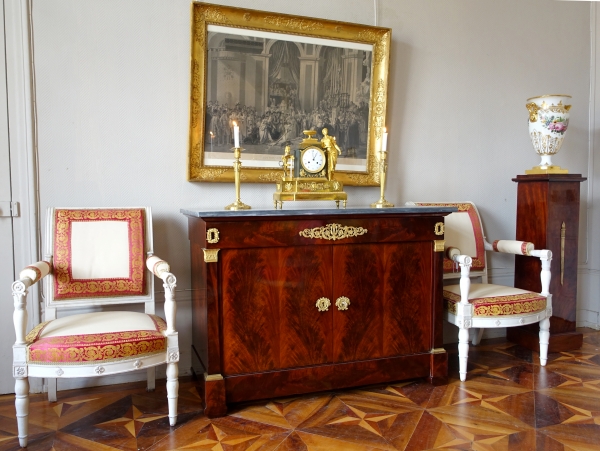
x=236 y=135
x=384 y=141
x=211 y=140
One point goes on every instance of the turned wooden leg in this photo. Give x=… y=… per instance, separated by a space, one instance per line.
x=463 y=352
x=477 y=334
x=544 y=340
x=151 y=379
x=52 y=389
x=172 y=391
x=22 y=408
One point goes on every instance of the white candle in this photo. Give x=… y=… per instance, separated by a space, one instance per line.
x=384 y=141
x=236 y=135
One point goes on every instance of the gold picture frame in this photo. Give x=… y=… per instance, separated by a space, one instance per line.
x=277 y=75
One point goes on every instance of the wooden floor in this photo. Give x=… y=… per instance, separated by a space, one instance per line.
x=508 y=402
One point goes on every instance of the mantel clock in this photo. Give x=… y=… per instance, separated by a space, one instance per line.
x=308 y=172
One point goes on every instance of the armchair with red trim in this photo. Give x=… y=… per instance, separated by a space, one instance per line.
x=95 y=257
x=483 y=305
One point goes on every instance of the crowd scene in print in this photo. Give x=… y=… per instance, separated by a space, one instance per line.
x=283 y=124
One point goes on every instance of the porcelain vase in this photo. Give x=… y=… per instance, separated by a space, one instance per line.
x=548 y=123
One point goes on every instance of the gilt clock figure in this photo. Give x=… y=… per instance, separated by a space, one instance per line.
x=309 y=173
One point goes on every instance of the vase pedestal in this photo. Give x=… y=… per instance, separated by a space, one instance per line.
x=548 y=216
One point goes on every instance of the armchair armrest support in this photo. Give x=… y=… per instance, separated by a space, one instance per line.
x=545 y=256
x=161 y=269
x=27 y=277
x=465 y=262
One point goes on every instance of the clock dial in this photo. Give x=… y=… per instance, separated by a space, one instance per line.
x=313 y=159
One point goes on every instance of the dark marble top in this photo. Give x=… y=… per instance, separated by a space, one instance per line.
x=199 y=213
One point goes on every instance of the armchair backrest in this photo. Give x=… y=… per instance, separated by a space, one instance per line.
x=98 y=256
x=463 y=230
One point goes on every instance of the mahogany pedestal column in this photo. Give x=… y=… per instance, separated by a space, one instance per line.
x=548 y=216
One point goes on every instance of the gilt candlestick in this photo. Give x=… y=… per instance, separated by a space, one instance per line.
x=237 y=167
x=382 y=203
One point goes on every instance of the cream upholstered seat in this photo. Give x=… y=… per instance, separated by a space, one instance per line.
x=95 y=257
x=482 y=305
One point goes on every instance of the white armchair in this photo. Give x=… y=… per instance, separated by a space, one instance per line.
x=95 y=257
x=483 y=305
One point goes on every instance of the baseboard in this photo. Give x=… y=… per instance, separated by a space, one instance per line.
x=588 y=301
x=588 y=318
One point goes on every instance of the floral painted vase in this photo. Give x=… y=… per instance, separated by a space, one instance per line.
x=548 y=123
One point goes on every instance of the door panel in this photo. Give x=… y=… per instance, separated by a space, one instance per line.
x=357 y=331
x=407 y=301
x=270 y=320
x=389 y=287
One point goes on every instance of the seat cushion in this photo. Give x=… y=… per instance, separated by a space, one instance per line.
x=98 y=336
x=495 y=300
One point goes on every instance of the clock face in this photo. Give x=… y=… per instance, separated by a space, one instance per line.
x=313 y=159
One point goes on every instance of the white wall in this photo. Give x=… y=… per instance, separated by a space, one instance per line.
x=112 y=82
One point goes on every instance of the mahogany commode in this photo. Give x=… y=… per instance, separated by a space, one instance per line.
x=262 y=282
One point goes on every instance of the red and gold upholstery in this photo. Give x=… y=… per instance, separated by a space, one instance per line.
x=103 y=336
x=99 y=253
x=495 y=300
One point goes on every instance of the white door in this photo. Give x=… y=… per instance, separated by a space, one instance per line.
x=7 y=272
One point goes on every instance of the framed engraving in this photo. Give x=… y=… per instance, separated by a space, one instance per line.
x=276 y=75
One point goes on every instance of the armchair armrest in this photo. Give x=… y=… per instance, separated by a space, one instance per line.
x=526 y=248
x=159 y=267
x=35 y=272
x=27 y=277
x=513 y=247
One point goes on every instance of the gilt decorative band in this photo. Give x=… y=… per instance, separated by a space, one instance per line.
x=438 y=245
x=211 y=255
x=563 y=235
x=333 y=232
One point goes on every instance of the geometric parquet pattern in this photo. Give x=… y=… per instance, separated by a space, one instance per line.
x=508 y=402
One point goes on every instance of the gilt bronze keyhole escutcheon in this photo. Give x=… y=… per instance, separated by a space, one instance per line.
x=212 y=236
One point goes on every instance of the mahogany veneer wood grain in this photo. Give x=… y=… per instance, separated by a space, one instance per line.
x=544 y=203
x=257 y=332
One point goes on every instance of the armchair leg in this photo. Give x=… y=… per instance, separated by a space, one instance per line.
x=22 y=408
x=544 y=340
x=477 y=334
x=463 y=352
x=172 y=391
x=151 y=378
x=51 y=389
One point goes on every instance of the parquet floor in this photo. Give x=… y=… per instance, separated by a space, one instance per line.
x=509 y=402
